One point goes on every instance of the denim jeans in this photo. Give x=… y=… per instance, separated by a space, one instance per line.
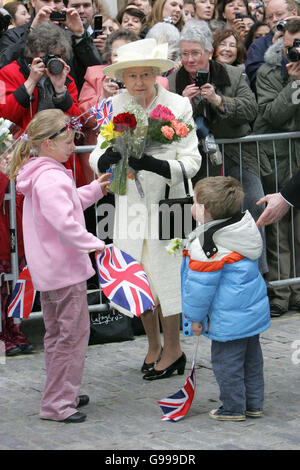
x=238 y=368
x=253 y=189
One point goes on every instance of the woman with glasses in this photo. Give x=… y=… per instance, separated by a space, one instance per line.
x=224 y=106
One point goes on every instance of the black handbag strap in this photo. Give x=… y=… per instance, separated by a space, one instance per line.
x=185 y=181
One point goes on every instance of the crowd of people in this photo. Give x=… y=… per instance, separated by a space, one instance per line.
x=230 y=70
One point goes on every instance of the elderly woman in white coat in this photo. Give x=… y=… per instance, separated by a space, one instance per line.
x=136 y=217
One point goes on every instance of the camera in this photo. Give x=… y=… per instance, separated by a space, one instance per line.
x=120 y=84
x=212 y=149
x=202 y=77
x=5 y=19
x=259 y=5
x=281 y=25
x=292 y=54
x=168 y=19
x=53 y=64
x=98 y=25
x=239 y=16
x=58 y=16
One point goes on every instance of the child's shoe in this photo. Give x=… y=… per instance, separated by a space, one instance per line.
x=255 y=414
x=220 y=416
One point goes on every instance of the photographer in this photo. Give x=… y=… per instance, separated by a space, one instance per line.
x=40 y=80
x=223 y=106
x=276 y=10
x=83 y=52
x=278 y=98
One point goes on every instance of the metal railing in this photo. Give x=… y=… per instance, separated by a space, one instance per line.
x=10 y=197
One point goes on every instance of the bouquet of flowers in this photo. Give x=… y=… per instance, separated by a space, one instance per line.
x=163 y=128
x=126 y=132
x=130 y=132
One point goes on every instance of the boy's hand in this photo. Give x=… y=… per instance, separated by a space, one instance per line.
x=197 y=328
x=104 y=182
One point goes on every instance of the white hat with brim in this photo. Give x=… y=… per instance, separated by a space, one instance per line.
x=143 y=53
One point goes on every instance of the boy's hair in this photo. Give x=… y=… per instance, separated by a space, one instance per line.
x=44 y=124
x=222 y=196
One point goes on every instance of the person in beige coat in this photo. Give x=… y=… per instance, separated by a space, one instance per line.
x=136 y=217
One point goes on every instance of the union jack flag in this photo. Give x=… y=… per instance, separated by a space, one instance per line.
x=176 y=406
x=103 y=114
x=22 y=297
x=124 y=282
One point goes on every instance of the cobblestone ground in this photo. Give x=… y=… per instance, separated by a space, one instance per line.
x=123 y=413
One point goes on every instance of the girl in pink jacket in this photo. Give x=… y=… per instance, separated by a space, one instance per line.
x=56 y=248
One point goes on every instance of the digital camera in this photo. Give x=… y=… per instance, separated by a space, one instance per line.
x=202 y=77
x=58 y=16
x=292 y=54
x=212 y=149
x=281 y=25
x=53 y=64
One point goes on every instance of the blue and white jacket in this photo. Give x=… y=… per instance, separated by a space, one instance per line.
x=221 y=285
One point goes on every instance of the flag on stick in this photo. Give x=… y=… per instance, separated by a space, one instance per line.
x=175 y=407
x=22 y=297
x=124 y=282
x=103 y=113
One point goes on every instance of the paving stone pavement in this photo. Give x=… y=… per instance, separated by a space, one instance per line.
x=123 y=413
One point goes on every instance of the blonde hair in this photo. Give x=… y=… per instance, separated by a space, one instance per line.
x=222 y=196
x=41 y=127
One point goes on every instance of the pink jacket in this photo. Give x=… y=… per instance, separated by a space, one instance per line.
x=55 y=237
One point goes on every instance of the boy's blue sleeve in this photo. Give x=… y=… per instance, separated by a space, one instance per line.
x=197 y=292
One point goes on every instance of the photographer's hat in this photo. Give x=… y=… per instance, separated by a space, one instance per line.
x=143 y=53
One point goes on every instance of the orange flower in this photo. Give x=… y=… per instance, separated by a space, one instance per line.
x=168 y=132
x=180 y=128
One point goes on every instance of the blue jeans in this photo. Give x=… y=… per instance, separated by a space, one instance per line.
x=253 y=189
x=238 y=368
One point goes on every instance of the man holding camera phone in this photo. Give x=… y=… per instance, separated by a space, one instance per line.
x=278 y=99
x=84 y=52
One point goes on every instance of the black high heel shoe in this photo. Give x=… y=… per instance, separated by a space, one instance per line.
x=147 y=367
x=178 y=365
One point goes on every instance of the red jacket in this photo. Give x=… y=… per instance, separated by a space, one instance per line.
x=4 y=221
x=16 y=104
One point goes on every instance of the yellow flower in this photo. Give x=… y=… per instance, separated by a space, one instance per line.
x=108 y=132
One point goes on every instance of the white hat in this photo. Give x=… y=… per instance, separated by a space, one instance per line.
x=143 y=53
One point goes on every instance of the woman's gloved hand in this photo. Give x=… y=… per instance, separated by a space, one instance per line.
x=109 y=157
x=149 y=163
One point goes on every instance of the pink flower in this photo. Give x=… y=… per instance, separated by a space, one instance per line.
x=168 y=132
x=180 y=128
x=162 y=113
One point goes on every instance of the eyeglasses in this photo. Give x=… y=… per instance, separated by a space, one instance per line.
x=193 y=54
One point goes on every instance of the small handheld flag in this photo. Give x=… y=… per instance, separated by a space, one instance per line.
x=124 y=282
x=103 y=114
x=22 y=297
x=175 y=407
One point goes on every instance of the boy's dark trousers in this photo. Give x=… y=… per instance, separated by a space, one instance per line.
x=238 y=367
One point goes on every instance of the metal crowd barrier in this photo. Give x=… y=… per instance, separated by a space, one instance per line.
x=288 y=136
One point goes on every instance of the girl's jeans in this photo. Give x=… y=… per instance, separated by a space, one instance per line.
x=67 y=324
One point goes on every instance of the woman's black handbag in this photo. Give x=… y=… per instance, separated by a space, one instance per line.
x=175 y=217
x=110 y=326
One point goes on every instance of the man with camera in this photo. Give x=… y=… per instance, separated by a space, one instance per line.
x=83 y=54
x=276 y=10
x=278 y=98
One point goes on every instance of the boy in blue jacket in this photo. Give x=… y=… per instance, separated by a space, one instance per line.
x=224 y=295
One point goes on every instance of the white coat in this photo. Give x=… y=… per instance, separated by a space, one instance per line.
x=136 y=218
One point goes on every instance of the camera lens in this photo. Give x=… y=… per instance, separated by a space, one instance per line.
x=55 y=66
